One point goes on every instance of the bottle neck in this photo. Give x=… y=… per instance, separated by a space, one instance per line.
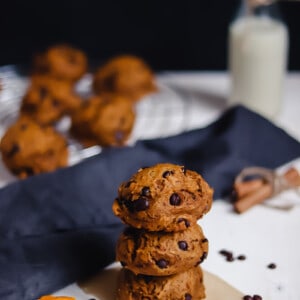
x=260 y=8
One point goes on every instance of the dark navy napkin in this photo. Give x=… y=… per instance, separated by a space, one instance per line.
x=57 y=228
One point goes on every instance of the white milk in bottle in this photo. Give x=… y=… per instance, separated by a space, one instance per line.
x=258 y=46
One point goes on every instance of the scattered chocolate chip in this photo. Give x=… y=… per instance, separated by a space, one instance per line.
x=141 y=204
x=257 y=297
x=241 y=257
x=175 y=199
x=187 y=296
x=183 y=245
x=228 y=255
x=230 y=258
x=162 y=263
x=272 y=266
x=145 y=191
x=247 y=297
x=14 y=150
x=167 y=173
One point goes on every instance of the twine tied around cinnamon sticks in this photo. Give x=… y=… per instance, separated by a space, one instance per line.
x=253 y=185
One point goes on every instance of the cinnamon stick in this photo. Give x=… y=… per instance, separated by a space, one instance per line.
x=245 y=187
x=258 y=191
x=256 y=197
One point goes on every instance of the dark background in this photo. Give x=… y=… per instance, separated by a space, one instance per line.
x=170 y=35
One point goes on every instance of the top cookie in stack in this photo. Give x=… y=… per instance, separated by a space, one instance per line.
x=164 y=197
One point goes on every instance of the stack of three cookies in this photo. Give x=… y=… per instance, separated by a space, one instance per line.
x=162 y=247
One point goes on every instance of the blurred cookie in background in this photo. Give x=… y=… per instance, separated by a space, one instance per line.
x=63 y=62
x=105 y=120
x=28 y=148
x=127 y=75
x=48 y=99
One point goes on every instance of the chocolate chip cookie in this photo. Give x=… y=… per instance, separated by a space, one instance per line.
x=187 y=285
x=161 y=253
x=127 y=75
x=63 y=62
x=105 y=120
x=28 y=148
x=48 y=99
x=164 y=197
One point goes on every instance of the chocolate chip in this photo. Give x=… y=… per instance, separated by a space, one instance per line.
x=257 y=297
x=123 y=264
x=127 y=185
x=43 y=92
x=141 y=204
x=147 y=278
x=162 y=263
x=55 y=102
x=272 y=266
x=229 y=258
x=23 y=126
x=187 y=296
x=241 y=257
x=175 y=199
x=167 y=173
x=228 y=255
x=205 y=240
x=145 y=191
x=14 y=150
x=72 y=59
x=183 y=245
x=247 y=297
x=186 y=222
x=203 y=257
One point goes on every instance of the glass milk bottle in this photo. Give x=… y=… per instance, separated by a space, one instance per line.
x=258 y=46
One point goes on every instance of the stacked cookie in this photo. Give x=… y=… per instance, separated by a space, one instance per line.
x=162 y=247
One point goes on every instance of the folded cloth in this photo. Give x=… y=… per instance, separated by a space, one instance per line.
x=58 y=227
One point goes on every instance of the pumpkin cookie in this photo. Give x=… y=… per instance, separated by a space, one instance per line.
x=48 y=99
x=161 y=253
x=164 y=197
x=126 y=75
x=28 y=148
x=105 y=120
x=187 y=285
x=63 y=62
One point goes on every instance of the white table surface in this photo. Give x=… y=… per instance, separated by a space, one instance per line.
x=263 y=234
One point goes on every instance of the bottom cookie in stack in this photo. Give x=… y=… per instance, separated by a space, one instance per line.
x=187 y=285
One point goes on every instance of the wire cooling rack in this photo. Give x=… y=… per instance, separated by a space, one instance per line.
x=169 y=111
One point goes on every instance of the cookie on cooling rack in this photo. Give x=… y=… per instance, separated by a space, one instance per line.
x=161 y=253
x=105 y=120
x=28 y=148
x=164 y=197
x=62 y=61
x=186 y=285
x=48 y=99
x=127 y=75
